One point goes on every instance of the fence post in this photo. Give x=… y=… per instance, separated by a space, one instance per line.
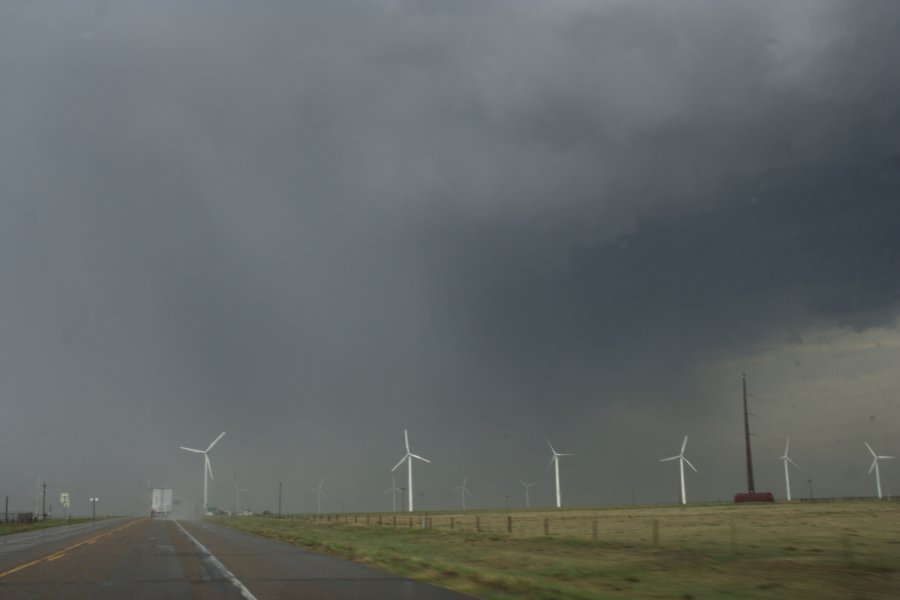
x=508 y=523
x=655 y=532
x=410 y=522
x=452 y=523
x=594 y=531
x=395 y=522
x=477 y=523
x=546 y=525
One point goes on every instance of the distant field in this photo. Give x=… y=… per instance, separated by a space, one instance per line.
x=8 y=528
x=822 y=550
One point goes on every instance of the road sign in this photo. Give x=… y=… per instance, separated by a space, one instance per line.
x=64 y=499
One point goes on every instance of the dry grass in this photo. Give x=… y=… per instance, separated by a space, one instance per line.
x=822 y=550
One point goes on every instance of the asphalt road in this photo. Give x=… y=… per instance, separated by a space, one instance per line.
x=144 y=558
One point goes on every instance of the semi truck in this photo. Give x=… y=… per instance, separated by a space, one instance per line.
x=160 y=502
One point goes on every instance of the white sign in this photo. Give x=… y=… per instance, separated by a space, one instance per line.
x=64 y=499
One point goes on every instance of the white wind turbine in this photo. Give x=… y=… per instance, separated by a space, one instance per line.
x=681 y=460
x=207 y=468
x=237 y=491
x=875 y=459
x=555 y=463
x=528 y=487
x=463 y=490
x=393 y=492
x=37 y=499
x=787 y=459
x=408 y=458
x=319 y=495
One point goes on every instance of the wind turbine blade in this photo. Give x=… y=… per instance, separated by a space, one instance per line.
x=192 y=450
x=324 y=495
x=787 y=444
x=880 y=457
x=553 y=458
x=420 y=458
x=689 y=464
x=565 y=455
x=684 y=444
x=551 y=446
x=874 y=462
x=792 y=462
x=321 y=483
x=467 y=491
x=406 y=439
x=215 y=441
x=208 y=465
x=670 y=458
x=465 y=479
x=399 y=463
x=870 y=448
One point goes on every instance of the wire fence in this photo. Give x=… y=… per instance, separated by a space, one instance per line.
x=837 y=525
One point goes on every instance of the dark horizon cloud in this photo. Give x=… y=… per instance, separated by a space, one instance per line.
x=316 y=224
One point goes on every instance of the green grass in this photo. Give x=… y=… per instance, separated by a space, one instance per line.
x=834 y=550
x=10 y=528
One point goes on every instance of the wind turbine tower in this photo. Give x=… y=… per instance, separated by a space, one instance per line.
x=207 y=468
x=681 y=460
x=463 y=490
x=319 y=495
x=528 y=487
x=408 y=457
x=393 y=492
x=875 y=459
x=787 y=459
x=554 y=462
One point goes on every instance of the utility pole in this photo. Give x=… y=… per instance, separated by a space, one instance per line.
x=809 y=481
x=750 y=487
x=234 y=483
x=279 y=499
x=94 y=507
x=6 y=511
x=44 y=502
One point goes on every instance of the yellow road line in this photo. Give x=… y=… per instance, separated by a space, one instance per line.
x=60 y=553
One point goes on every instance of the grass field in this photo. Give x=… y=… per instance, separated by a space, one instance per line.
x=8 y=528
x=822 y=550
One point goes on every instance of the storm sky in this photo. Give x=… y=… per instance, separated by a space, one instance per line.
x=315 y=224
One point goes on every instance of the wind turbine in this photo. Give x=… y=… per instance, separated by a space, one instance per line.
x=37 y=495
x=463 y=490
x=875 y=459
x=555 y=463
x=787 y=459
x=408 y=458
x=393 y=492
x=237 y=491
x=207 y=468
x=681 y=460
x=527 y=496
x=319 y=495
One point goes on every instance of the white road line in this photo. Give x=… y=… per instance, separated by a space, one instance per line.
x=211 y=559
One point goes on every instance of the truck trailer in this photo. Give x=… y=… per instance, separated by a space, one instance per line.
x=160 y=502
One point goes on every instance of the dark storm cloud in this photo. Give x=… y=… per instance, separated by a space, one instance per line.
x=314 y=224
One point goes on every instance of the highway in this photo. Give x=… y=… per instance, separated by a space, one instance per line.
x=160 y=558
